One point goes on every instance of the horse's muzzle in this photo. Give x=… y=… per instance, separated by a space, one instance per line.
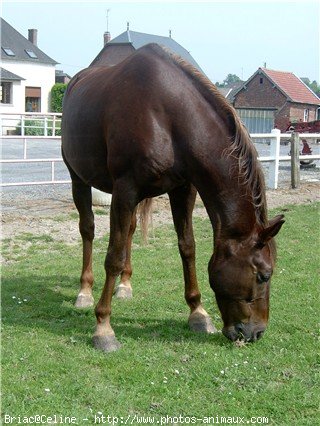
x=245 y=332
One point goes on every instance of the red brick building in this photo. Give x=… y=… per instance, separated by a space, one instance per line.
x=275 y=99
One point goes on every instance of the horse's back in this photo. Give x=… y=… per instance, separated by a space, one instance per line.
x=111 y=118
x=144 y=120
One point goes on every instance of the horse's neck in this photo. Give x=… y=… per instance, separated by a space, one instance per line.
x=232 y=214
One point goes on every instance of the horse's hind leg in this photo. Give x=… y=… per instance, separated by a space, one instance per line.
x=182 y=202
x=83 y=200
x=124 y=289
x=123 y=206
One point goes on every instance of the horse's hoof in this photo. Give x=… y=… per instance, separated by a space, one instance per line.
x=106 y=343
x=84 y=301
x=201 y=323
x=123 y=292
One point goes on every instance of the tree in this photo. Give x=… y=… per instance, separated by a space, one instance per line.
x=229 y=80
x=57 y=93
x=314 y=86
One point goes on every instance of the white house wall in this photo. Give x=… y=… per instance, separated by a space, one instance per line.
x=18 y=101
x=35 y=75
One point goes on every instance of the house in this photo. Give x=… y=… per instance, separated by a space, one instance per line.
x=62 y=77
x=27 y=73
x=230 y=90
x=122 y=46
x=270 y=99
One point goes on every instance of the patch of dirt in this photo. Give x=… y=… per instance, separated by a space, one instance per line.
x=58 y=218
x=307 y=193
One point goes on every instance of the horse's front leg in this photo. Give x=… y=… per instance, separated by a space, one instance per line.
x=124 y=289
x=122 y=208
x=182 y=202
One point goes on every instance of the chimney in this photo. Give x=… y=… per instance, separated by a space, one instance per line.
x=106 y=37
x=33 y=36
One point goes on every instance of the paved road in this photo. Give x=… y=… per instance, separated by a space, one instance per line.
x=13 y=148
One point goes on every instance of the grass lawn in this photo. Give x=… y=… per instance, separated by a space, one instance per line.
x=49 y=366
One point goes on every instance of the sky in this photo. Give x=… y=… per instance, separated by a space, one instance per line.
x=224 y=37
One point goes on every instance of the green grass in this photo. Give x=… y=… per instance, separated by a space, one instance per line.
x=49 y=366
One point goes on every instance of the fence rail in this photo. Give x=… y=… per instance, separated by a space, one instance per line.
x=30 y=124
x=25 y=160
x=53 y=179
x=274 y=158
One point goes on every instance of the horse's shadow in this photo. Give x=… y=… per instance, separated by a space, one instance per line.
x=51 y=308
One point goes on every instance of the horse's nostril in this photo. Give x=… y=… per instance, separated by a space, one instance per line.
x=239 y=327
x=259 y=334
x=239 y=330
x=256 y=335
x=245 y=332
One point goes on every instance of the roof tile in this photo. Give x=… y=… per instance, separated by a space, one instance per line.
x=292 y=86
x=19 y=45
x=8 y=75
x=138 y=40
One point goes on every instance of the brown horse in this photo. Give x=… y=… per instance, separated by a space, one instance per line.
x=151 y=125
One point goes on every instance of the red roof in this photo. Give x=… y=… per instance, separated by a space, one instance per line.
x=292 y=86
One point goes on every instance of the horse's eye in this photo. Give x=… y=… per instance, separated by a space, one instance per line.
x=263 y=277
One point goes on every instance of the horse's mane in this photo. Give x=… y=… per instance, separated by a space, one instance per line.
x=241 y=148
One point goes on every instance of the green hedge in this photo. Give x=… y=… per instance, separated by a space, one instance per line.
x=37 y=127
x=57 y=93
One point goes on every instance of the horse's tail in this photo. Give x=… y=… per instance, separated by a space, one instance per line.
x=145 y=217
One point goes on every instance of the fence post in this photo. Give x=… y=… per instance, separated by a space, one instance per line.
x=54 y=126
x=52 y=171
x=22 y=125
x=24 y=148
x=295 y=162
x=45 y=126
x=274 y=153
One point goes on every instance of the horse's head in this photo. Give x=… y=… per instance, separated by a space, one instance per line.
x=240 y=274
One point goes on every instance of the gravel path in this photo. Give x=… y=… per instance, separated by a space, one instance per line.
x=50 y=210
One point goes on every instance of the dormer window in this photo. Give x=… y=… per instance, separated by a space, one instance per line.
x=8 y=51
x=31 y=54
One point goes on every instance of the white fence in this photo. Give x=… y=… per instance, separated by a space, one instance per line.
x=274 y=158
x=30 y=124
x=25 y=160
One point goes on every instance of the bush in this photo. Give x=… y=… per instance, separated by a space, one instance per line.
x=57 y=93
x=36 y=128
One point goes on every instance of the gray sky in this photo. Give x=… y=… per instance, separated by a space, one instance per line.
x=225 y=37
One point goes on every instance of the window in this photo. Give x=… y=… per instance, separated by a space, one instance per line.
x=8 y=51
x=306 y=115
x=6 y=92
x=33 y=99
x=261 y=80
x=31 y=54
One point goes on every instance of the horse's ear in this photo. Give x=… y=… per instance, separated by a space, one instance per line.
x=271 y=231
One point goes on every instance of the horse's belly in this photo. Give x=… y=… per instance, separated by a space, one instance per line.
x=90 y=167
x=94 y=175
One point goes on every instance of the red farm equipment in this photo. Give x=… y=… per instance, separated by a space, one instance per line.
x=305 y=127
